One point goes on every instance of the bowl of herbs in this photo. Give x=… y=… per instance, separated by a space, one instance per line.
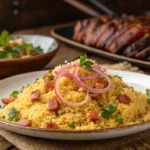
x=24 y=53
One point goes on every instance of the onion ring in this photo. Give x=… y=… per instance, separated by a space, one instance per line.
x=56 y=89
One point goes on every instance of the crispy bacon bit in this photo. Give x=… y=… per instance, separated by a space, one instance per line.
x=52 y=125
x=53 y=105
x=93 y=116
x=95 y=96
x=35 y=95
x=101 y=84
x=124 y=99
x=49 y=84
x=24 y=122
x=8 y=100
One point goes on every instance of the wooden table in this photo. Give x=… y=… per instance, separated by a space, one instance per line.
x=66 y=52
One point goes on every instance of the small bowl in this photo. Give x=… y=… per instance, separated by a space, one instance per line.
x=14 y=66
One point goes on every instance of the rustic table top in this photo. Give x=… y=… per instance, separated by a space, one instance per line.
x=66 y=52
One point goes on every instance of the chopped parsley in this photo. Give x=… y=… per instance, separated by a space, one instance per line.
x=84 y=61
x=72 y=125
x=4 y=38
x=24 y=87
x=116 y=76
x=50 y=70
x=109 y=110
x=3 y=117
x=148 y=94
x=13 y=114
x=14 y=93
x=119 y=120
x=51 y=77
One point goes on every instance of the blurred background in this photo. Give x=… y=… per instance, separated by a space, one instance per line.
x=22 y=14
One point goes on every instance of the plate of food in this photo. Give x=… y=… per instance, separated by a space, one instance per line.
x=80 y=100
x=118 y=38
x=22 y=53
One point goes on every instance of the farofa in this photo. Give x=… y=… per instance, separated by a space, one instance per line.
x=68 y=117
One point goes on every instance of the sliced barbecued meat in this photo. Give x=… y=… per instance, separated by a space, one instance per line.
x=80 y=33
x=90 y=29
x=77 y=29
x=108 y=33
x=144 y=54
x=137 y=46
x=121 y=29
x=127 y=38
x=98 y=33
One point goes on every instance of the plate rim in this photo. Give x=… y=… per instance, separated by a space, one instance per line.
x=95 y=50
x=70 y=130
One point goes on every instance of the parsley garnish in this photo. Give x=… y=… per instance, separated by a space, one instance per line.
x=148 y=94
x=24 y=87
x=50 y=70
x=13 y=114
x=116 y=76
x=108 y=112
x=51 y=77
x=72 y=125
x=84 y=61
x=119 y=120
x=14 y=93
x=3 y=117
x=4 y=38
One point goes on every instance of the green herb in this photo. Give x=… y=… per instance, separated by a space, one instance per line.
x=3 y=117
x=148 y=92
x=13 y=114
x=37 y=50
x=116 y=76
x=119 y=120
x=80 y=123
x=146 y=108
x=24 y=87
x=50 y=70
x=51 y=77
x=148 y=100
x=49 y=122
x=85 y=62
x=36 y=80
x=14 y=93
x=3 y=54
x=0 y=106
x=72 y=126
x=108 y=112
x=4 y=38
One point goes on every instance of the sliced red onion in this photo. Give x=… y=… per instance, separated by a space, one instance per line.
x=89 y=89
x=68 y=66
x=91 y=77
x=56 y=89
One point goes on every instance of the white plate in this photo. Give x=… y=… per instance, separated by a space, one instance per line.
x=138 y=81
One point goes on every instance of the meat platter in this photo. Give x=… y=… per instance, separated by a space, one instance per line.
x=118 y=38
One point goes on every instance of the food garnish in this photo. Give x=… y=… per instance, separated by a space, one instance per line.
x=85 y=62
x=116 y=76
x=72 y=125
x=13 y=114
x=148 y=94
x=119 y=120
x=109 y=111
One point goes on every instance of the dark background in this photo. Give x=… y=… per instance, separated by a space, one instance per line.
x=20 y=14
